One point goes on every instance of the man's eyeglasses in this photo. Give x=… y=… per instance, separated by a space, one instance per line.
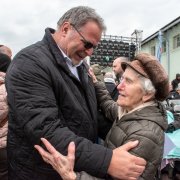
x=87 y=44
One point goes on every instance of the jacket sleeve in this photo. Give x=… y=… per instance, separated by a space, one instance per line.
x=106 y=103
x=85 y=176
x=36 y=112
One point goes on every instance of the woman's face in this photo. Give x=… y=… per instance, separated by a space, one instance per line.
x=130 y=90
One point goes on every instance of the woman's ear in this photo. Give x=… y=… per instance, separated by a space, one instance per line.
x=148 y=97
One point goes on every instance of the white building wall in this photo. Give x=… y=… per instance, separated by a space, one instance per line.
x=171 y=58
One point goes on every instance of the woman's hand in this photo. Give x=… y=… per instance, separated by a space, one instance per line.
x=64 y=165
x=91 y=73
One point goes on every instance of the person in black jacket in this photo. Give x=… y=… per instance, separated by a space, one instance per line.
x=51 y=95
x=109 y=82
x=174 y=95
x=176 y=81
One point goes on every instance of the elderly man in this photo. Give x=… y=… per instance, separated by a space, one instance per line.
x=51 y=95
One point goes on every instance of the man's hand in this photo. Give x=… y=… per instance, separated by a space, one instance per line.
x=124 y=165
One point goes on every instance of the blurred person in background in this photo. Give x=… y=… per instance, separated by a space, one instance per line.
x=176 y=81
x=175 y=94
x=175 y=125
x=4 y=64
x=109 y=81
x=6 y=50
x=98 y=72
x=117 y=69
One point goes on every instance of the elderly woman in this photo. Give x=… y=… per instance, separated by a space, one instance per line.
x=138 y=114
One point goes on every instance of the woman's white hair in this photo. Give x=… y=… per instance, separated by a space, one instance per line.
x=147 y=85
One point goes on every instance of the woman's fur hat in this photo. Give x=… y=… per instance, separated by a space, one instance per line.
x=149 y=67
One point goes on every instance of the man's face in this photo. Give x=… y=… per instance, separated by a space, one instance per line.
x=117 y=68
x=76 y=40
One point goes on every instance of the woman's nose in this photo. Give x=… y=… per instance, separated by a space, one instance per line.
x=121 y=84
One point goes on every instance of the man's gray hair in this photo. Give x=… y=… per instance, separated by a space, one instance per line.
x=80 y=15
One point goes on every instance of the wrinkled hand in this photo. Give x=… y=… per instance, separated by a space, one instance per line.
x=64 y=165
x=124 y=165
x=91 y=73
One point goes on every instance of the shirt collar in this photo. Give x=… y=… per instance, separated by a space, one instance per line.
x=68 y=60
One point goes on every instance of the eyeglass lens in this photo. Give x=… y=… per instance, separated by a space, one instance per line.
x=87 y=44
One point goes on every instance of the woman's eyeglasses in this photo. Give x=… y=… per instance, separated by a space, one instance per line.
x=87 y=44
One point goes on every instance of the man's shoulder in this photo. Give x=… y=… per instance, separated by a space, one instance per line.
x=36 y=52
x=33 y=49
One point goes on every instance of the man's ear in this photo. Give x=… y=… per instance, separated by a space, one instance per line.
x=65 y=27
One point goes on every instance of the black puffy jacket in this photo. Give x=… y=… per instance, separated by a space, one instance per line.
x=47 y=100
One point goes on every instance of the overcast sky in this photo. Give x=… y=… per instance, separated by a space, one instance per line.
x=22 y=22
